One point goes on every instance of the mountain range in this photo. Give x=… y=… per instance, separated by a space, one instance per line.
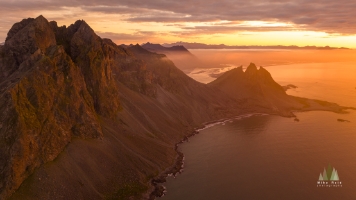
x=194 y=45
x=84 y=118
x=181 y=56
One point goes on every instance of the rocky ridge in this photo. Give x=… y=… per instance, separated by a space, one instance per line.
x=61 y=84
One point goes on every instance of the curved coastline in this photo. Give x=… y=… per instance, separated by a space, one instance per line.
x=159 y=190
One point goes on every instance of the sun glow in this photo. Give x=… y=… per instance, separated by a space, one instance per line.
x=264 y=24
x=209 y=32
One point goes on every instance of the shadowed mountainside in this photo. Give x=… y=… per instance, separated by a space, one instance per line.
x=256 y=88
x=158 y=47
x=83 y=118
x=181 y=56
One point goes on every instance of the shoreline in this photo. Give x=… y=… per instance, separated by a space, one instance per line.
x=159 y=190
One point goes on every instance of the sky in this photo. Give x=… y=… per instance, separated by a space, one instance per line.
x=230 y=22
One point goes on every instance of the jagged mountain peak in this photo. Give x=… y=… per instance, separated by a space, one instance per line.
x=254 y=84
x=251 y=69
x=81 y=26
x=27 y=41
x=264 y=75
x=17 y=27
x=39 y=21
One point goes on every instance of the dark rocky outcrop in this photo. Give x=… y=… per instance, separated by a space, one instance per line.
x=289 y=86
x=83 y=118
x=44 y=102
x=342 y=120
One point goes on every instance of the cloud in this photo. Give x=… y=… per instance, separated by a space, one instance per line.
x=125 y=38
x=330 y=16
x=122 y=36
x=233 y=29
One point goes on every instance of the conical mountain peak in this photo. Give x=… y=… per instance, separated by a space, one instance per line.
x=251 y=68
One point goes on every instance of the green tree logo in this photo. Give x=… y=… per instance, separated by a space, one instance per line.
x=329 y=175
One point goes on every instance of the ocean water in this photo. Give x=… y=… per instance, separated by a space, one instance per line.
x=271 y=157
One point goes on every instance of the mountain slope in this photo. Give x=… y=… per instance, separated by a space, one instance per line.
x=60 y=85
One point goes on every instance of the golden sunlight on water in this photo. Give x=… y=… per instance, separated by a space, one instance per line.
x=265 y=57
x=271 y=157
x=319 y=74
x=268 y=157
x=335 y=82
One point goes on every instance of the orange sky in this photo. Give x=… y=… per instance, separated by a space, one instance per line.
x=230 y=22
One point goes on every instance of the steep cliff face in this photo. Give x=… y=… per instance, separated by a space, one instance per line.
x=92 y=55
x=44 y=101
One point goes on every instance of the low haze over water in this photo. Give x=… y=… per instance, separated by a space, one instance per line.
x=271 y=157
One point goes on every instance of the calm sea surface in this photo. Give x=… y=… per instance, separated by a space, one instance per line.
x=271 y=157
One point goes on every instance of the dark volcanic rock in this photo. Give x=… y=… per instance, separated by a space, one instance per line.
x=44 y=101
x=27 y=41
x=17 y=27
x=289 y=86
x=342 y=120
x=91 y=54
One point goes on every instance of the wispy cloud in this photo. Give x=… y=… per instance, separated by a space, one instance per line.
x=125 y=38
x=330 y=16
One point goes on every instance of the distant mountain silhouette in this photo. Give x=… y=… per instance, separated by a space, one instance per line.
x=84 y=118
x=181 y=56
x=194 y=45
x=257 y=87
x=158 y=47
